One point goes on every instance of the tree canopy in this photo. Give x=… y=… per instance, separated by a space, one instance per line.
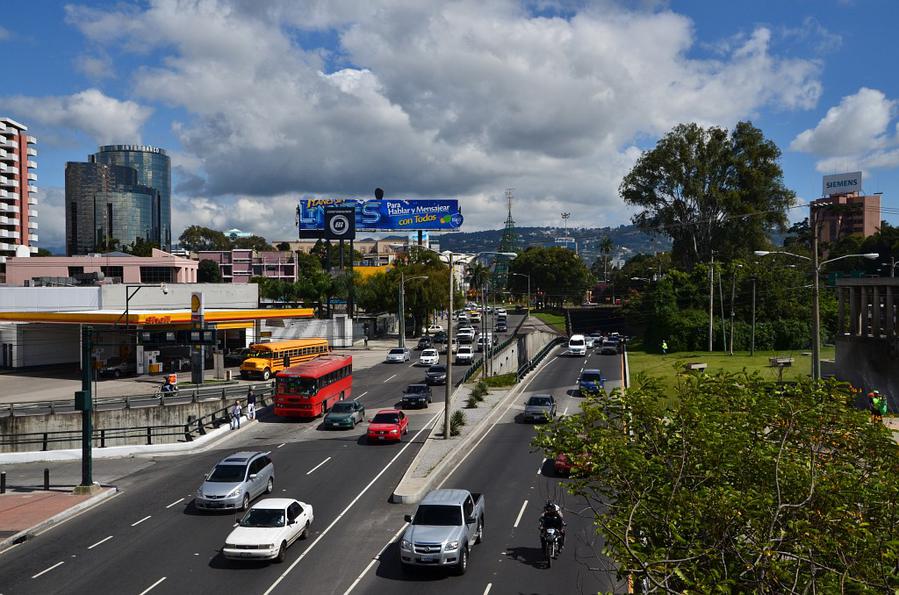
x=709 y=191
x=196 y=238
x=558 y=273
x=737 y=485
x=208 y=271
x=257 y=243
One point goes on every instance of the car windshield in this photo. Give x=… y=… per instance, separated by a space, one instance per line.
x=576 y=342
x=263 y=354
x=397 y=351
x=386 y=418
x=428 y=353
x=263 y=517
x=591 y=377
x=540 y=401
x=342 y=408
x=416 y=388
x=227 y=473
x=437 y=369
x=445 y=516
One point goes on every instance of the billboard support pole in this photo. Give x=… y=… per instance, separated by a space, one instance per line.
x=420 y=237
x=351 y=306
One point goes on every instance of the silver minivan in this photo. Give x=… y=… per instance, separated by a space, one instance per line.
x=236 y=480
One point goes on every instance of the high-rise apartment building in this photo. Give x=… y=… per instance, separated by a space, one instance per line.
x=121 y=195
x=18 y=192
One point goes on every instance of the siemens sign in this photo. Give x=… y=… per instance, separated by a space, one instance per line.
x=843 y=183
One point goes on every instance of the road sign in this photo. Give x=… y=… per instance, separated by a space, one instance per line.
x=340 y=223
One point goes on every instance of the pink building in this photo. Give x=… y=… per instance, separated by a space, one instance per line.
x=117 y=267
x=241 y=265
x=18 y=192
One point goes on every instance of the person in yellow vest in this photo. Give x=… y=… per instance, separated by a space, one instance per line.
x=664 y=346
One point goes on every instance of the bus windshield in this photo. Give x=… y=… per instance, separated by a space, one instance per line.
x=299 y=386
x=260 y=353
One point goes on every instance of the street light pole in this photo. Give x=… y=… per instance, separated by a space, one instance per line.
x=733 y=291
x=816 y=271
x=402 y=340
x=448 y=394
x=752 y=344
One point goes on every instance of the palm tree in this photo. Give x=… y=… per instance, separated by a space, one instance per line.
x=478 y=275
x=606 y=246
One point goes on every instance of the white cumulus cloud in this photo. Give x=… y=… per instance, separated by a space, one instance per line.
x=104 y=119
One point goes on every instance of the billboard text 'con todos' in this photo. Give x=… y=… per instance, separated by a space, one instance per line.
x=383 y=215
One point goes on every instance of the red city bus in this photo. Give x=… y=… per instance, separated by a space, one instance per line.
x=310 y=389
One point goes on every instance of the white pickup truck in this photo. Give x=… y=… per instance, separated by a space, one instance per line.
x=443 y=530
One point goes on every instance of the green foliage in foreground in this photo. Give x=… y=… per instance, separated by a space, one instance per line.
x=739 y=485
x=501 y=380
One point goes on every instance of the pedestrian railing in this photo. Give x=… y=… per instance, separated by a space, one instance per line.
x=534 y=361
x=151 y=434
x=154 y=399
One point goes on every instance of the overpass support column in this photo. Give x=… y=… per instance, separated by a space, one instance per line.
x=853 y=310
x=875 y=312
x=841 y=311
x=890 y=316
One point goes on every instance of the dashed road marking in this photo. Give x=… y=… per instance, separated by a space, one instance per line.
x=175 y=502
x=540 y=468
x=317 y=466
x=141 y=521
x=104 y=540
x=520 y=513
x=280 y=445
x=487 y=590
x=391 y=378
x=45 y=571
x=151 y=587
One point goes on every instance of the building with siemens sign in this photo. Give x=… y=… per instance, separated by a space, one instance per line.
x=844 y=210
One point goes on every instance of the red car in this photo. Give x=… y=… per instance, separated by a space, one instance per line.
x=388 y=424
x=562 y=464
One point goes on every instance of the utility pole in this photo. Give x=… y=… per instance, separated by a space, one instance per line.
x=752 y=343
x=448 y=394
x=816 y=314
x=733 y=290
x=84 y=403
x=711 y=300
x=402 y=342
x=723 y=320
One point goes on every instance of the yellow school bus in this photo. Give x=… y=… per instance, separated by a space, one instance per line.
x=266 y=359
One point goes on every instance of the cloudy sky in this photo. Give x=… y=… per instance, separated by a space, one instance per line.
x=262 y=103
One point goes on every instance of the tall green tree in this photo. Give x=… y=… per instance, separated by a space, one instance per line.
x=208 y=271
x=257 y=243
x=196 y=238
x=737 y=485
x=557 y=272
x=710 y=191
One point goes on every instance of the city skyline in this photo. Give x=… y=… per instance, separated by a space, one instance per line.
x=324 y=101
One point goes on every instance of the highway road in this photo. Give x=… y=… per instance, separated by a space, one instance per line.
x=150 y=539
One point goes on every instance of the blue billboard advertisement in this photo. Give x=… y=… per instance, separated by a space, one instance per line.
x=383 y=215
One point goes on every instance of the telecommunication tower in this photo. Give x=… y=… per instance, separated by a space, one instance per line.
x=506 y=244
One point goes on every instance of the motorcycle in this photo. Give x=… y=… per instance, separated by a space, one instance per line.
x=551 y=546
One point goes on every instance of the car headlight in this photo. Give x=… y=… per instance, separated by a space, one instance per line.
x=393 y=431
x=233 y=493
x=199 y=493
x=453 y=545
x=230 y=545
x=267 y=546
x=405 y=545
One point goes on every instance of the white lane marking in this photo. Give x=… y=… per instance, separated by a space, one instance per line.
x=351 y=504
x=520 y=513
x=48 y=569
x=375 y=559
x=540 y=468
x=362 y=395
x=151 y=587
x=565 y=412
x=453 y=470
x=280 y=445
x=391 y=378
x=90 y=547
x=317 y=466
x=175 y=502
x=141 y=521
x=487 y=590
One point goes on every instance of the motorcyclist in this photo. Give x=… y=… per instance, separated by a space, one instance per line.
x=552 y=519
x=168 y=386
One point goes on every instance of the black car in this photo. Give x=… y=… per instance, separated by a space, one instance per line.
x=501 y=327
x=424 y=343
x=416 y=395
x=436 y=374
x=236 y=357
x=439 y=337
x=611 y=347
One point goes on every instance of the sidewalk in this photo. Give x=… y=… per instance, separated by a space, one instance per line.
x=25 y=514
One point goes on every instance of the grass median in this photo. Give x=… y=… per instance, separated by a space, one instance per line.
x=557 y=321
x=671 y=366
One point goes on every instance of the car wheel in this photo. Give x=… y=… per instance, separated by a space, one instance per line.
x=266 y=374
x=282 y=552
x=354 y=423
x=305 y=532
x=462 y=566
x=117 y=374
x=270 y=487
x=246 y=502
x=479 y=536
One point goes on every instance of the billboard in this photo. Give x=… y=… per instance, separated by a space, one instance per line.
x=843 y=183
x=382 y=215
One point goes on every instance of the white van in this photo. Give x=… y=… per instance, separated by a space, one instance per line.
x=577 y=345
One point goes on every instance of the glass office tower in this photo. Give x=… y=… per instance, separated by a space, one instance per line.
x=154 y=170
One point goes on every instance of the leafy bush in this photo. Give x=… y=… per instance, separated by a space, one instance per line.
x=457 y=420
x=501 y=380
x=471 y=402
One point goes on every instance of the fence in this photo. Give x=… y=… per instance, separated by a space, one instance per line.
x=532 y=363
x=194 y=395
x=150 y=434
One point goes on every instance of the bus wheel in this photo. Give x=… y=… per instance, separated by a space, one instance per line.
x=266 y=374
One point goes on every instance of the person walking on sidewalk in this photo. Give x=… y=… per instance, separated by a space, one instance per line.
x=251 y=404
x=664 y=346
x=877 y=404
x=235 y=416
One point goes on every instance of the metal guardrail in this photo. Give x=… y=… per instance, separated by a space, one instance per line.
x=532 y=363
x=193 y=395
x=195 y=426
x=473 y=369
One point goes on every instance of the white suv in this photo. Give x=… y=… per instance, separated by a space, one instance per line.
x=464 y=355
x=577 y=345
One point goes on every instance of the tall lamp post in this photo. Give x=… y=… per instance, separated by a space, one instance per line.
x=402 y=308
x=528 y=310
x=816 y=312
